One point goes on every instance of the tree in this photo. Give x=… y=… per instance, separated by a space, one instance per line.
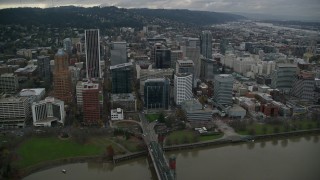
x=181 y=115
x=203 y=100
x=161 y=118
x=110 y=151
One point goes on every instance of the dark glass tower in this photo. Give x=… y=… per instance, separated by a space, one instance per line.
x=122 y=78
x=92 y=49
x=156 y=93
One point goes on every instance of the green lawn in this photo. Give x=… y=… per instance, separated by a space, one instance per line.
x=152 y=117
x=39 y=149
x=259 y=127
x=132 y=144
x=210 y=137
x=181 y=137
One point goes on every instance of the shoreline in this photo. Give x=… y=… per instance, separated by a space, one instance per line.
x=218 y=142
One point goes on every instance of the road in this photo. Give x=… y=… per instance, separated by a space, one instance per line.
x=228 y=131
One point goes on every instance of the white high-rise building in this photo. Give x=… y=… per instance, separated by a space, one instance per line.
x=243 y=65
x=48 y=111
x=182 y=87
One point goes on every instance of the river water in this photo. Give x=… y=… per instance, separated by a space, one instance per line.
x=296 y=158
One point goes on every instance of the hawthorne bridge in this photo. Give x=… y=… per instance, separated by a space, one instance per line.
x=155 y=151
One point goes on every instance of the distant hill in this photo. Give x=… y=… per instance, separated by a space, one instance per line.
x=107 y=17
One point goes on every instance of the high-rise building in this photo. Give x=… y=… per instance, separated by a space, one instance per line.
x=85 y=85
x=175 y=55
x=48 y=112
x=209 y=68
x=122 y=78
x=283 y=77
x=8 y=83
x=185 y=66
x=67 y=45
x=192 y=51
x=144 y=74
x=163 y=58
x=118 y=53
x=304 y=86
x=62 y=77
x=206 y=44
x=44 y=68
x=155 y=47
x=182 y=87
x=223 y=85
x=91 y=104
x=156 y=93
x=92 y=50
x=14 y=111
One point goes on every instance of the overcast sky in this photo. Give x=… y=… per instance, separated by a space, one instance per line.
x=307 y=9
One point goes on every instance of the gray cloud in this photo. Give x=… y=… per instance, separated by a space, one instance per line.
x=293 y=8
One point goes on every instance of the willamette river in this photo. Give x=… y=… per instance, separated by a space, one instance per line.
x=296 y=158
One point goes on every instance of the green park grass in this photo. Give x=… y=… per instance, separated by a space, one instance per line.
x=259 y=127
x=131 y=144
x=188 y=136
x=40 y=149
x=210 y=137
x=152 y=117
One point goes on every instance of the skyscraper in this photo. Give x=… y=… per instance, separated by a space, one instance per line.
x=118 y=53
x=223 y=85
x=44 y=67
x=92 y=49
x=121 y=78
x=62 y=77
x=163 y=58
x=209 y=68
x=156 y=93
x=206 y=44
x=67 y=45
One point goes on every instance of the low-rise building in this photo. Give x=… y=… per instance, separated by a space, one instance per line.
x=117 y=114
x=14 y=111
x=195 y=112
x=48 y=112
x=127 y=102
x=8 y=83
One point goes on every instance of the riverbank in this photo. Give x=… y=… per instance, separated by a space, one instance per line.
x=125 y=157
x=242 y=139
x=53 y=163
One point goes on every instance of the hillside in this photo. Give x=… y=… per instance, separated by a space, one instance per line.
x=106 y=17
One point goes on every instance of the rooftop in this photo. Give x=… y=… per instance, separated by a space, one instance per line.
x=121 y=65
x=31 y=92
x=13 y=99
x=7 y=75
x=123 y=97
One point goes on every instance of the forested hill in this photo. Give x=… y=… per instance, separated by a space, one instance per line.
x=105 y=17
